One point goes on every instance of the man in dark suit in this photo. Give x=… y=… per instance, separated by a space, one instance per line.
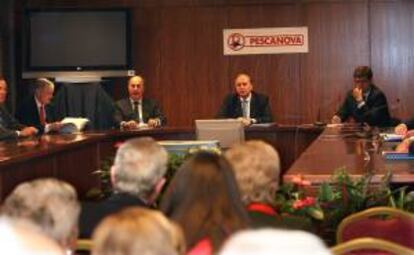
x=136 y=110
x=248 y=106
x=137 y=177
x=365 y=103
x=9 y=126
x=36 y=110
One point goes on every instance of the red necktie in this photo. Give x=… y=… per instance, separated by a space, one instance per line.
x=42 y=115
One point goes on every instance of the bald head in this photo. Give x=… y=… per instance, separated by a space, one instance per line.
x=243 y=85
x=136 y=87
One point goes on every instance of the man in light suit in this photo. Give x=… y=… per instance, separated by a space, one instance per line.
x=36 y=110
x=245 y=104
x=9 y=126
x=136 y=110
x=365 y=103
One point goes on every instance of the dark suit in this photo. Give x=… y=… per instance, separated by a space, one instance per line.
x=8 y=124
x=374 y=112
x=150 y=110
x=259 y=108
x=409 y=123
x=28 y=113
x=93 y=212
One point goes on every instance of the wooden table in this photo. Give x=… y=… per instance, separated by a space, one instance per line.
x=344 y=147
x=74 y=157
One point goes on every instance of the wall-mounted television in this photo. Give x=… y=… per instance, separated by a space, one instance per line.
x=76 y=40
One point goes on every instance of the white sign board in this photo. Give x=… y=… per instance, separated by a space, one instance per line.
x=265 y=40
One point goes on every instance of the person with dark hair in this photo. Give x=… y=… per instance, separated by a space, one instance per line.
x=365 y=103
x=245 y=104
x=9 y=126
x=137 y=110
x=204 y=200
x=36 y=110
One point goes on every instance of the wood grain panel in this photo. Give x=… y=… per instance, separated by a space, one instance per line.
x=392 y=39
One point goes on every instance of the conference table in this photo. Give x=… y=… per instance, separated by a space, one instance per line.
x=311 y=151
x=350 y=148
x=74 y=157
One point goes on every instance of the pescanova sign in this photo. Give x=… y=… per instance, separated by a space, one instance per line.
x=265 y=40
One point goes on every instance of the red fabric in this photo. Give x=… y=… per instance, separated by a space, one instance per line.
x=42 y=115
x=263 y=208
x=396 y=230
x=204 y=247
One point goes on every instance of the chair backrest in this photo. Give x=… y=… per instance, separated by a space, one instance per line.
x=226 y=131
x=367 y=245
x=380 y=222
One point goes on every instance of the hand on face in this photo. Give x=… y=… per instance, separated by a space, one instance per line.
x=357 y=94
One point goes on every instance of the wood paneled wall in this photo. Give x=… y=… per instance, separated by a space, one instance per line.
x=178 y=49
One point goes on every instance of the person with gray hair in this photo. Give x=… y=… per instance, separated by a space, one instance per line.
x=272 y=241
x=256 y=165
x=36 y=110
x=49 y=204
x=137 y=177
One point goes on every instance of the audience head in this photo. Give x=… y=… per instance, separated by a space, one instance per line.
x=243 y=85
x=273 y=241
x=257 y=169
x=3 y=90
x=20 y=238
x=362 y=77
x=49 y=204
x=136 y=87
x=138 y=231
x=139 y=168
x=44 y=90
x=203 y=198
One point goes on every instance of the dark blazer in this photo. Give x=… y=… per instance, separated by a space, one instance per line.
x=8 y=124
x=410 y=123
x=28 y=114
x=374 y=112
x=93 y=212
x=150 y=109
x=259 y=108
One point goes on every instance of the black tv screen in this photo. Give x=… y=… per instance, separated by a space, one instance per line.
x=77 y=40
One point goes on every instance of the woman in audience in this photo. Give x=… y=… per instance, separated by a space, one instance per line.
x=256 y=165
x=203 y=198
x=137 y=230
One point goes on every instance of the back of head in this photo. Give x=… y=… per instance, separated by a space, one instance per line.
x=139 y=164
x=203 y=198
x=49 y=204
x=19 y=238
x=138 y=231
x=363 y=72
x=273 y=241
x=42 y=83
x=257 y=168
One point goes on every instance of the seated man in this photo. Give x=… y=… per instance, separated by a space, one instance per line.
x=136 y=110
x=9 y=126
x=137 y=178
x=365 y=103
x=49 y=205
x=36 y=110
x=402 y=129
x=248 y=106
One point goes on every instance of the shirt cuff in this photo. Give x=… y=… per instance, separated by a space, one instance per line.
x=361 y=104
x=47 y=128
x=17 y=133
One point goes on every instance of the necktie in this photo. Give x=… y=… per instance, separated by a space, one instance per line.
x=136 y=111
x=244 y=108
x=42 y=115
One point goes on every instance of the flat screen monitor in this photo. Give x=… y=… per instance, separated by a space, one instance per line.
x=77 y=40
x=226 y=131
